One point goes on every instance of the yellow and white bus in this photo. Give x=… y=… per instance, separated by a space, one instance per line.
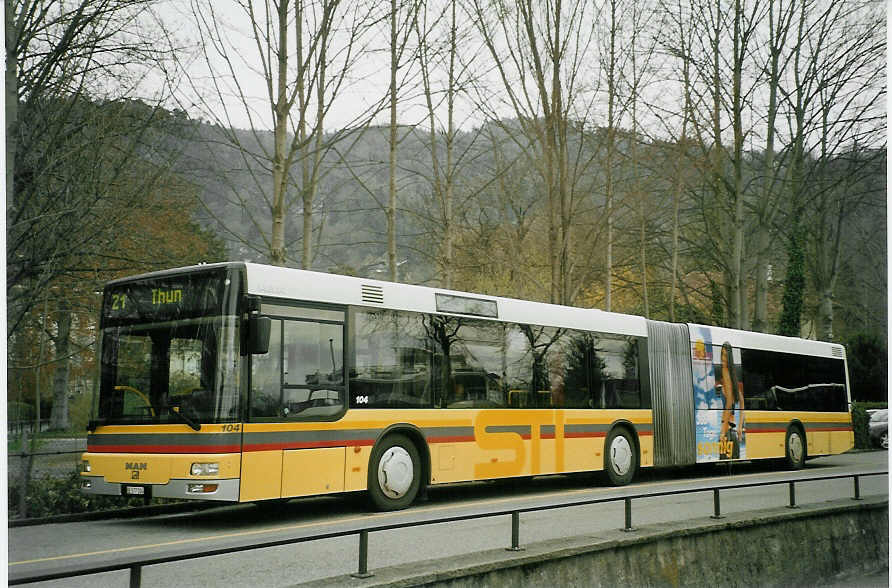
x=244 y=382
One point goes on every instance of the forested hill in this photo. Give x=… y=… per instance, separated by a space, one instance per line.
x=499 y=225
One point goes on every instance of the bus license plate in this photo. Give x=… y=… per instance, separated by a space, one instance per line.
x=134 y=490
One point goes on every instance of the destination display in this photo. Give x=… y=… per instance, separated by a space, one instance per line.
x=168 y=298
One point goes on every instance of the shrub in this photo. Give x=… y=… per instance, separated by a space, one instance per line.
x=49 y=496
x=860 y=418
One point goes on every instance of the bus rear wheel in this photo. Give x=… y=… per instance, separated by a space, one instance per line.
x=394 y=473
x=620 y=457
x=794 y=448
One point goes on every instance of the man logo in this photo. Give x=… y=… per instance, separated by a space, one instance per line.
x=135 y=467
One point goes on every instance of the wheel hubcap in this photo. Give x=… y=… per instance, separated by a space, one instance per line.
x=621 y=455
x=395 y=472
x=795 y=448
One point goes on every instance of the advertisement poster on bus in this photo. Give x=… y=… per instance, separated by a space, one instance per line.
x=718 y=398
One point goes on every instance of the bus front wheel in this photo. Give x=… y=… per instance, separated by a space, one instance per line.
x=620 y=457
x=394 y=473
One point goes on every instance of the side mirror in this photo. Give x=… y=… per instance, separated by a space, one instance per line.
x=259 y=328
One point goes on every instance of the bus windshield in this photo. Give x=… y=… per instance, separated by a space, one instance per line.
x=170 y=352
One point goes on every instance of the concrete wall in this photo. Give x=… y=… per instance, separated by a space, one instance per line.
x=773 y=547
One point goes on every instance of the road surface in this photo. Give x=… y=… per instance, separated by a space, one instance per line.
x=288 y=565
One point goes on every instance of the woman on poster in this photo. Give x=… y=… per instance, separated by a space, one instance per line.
x=730 y=437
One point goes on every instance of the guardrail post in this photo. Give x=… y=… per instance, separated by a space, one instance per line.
x=628 y=528
x=857 y=488
x=135 y=576
x=792 y=496
x=717 y=505
x=515 y=533
x=363 y=556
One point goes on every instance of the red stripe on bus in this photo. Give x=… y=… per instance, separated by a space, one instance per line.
x=321 y=444
x=163 y=448
x=584 y=435
x=807 y=429
x=308 y=444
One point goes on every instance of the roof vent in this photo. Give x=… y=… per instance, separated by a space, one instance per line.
x=837 y=352
x=372 y=294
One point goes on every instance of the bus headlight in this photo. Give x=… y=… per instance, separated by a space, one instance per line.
x=205 y=469
x=85 y=466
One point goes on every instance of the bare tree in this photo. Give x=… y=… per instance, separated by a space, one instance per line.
x=834 y=105
x=640 y=74
x=440 y=34
x=79 y=142
x=723 y=85
x=538 y=53
x=402 y=17
x=303 y=74
x=767 y=203
x=849 y=79
x=613 y=117
x=678 y=42
x=70 y=71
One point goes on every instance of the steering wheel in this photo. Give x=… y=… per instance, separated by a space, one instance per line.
x=140 y=394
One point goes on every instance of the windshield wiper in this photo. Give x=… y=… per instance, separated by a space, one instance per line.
x=175 y=410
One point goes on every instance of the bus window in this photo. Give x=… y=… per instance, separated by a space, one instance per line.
x=391 y=362
x=787 y=381
x=312 y=369
x=615 y=378
x=576 y=350
x=302 y=375
x=542 y=381
x=469 y=362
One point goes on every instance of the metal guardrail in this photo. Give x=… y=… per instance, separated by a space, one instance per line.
x=136 y=563
x=39 y=454
x=15 y=428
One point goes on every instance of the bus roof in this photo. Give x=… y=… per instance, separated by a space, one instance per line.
x=294 y=284
x=768 y=342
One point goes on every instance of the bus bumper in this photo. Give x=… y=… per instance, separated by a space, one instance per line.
x=226 y=490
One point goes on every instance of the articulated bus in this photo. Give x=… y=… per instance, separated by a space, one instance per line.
x=243 y=382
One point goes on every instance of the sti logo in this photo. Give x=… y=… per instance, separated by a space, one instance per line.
x=134 y=468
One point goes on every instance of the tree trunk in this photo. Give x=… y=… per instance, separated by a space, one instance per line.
x=644 y=258
x=280 y=130
x=391 y=201
x=760 y=311
x=768 y=201
x=59 y=414
x=12 y=100
x=737 y=277
x=27 y=464
x=450 y=140
x=825 y=314
x=608 y=167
